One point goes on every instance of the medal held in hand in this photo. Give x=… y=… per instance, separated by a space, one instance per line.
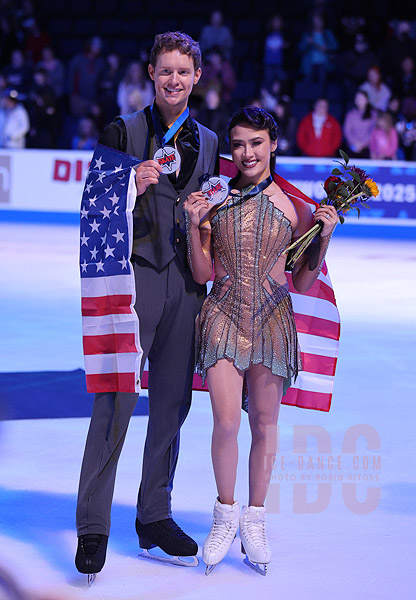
x=215 y=189
x=168 y=158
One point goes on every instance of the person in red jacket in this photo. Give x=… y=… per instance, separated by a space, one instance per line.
x=319 y=133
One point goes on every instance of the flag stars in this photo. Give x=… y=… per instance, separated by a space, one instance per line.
x=84 y=213
x=88 y=187
x=117 y=169
x=93 y=200
x=104 y=239
x=123 y=263
x=109 y=251
x=114 y=198
x=115 y=211
x=94 y=253
x=99 y=163
x=100 y=177
x=105 y=212
x=94 y=226
x=100 y=266
x=108 y=189
x=84 y=240
x=119 y=236
x=84 y=266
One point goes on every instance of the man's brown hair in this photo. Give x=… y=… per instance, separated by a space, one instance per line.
x=176 y=40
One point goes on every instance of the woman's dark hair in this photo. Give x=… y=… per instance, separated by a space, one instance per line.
x=257 y=118
x=368 y=112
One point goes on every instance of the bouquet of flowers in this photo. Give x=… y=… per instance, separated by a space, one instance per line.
x=344 y=190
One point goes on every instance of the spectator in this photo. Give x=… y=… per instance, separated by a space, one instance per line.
x=317 y=48
x=87 y=136
x=384 y=141
x=216 y=35
x=405 y=87
x=85 y=70
x=214 y=115
x=8 y=39
x=37 y=39
x=3 y=84
x=351 y=25
x=358 y=124
x=15 y=121
x=217 y=72
x=401 y=124
x=286 y=127
x=356 y=61
x=55 y=70
x=135 y=90
x=407 y=136
x=18 y=73
x=108 y=86
x=42 y=112
x=25 y=15
x=274 y=52
x=319 y=133
x=399 y=45
x=404 y=82
x=377 y=91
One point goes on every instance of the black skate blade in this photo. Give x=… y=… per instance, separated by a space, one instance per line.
x=91 y=578
x=256 y=566
x=158 y=555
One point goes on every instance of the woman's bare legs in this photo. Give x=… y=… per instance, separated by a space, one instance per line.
x=265 y=394
x=225 y=384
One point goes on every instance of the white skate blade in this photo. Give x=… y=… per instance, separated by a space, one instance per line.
x=91 y=578
x=209 y=569
x=256 y=566
x=181 y=561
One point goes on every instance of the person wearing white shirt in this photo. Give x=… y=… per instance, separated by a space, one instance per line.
x=15 y=121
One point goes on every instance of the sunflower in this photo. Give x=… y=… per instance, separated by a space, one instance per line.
x=370 y=186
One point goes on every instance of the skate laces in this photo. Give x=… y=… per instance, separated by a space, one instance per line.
x=171 y=527
x=222 y=529
x=256 y=529
x=91 y=542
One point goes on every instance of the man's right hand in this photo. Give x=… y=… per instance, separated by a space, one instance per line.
x=147 y=173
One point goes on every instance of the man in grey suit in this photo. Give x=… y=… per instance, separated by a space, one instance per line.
x=167 y=302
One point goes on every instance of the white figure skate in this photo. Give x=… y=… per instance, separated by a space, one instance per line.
x=223 y=531
x=254 y=542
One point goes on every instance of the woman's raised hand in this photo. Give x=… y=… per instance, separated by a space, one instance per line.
x=197 y=206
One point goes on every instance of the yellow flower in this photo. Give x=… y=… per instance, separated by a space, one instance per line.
x=371 y=185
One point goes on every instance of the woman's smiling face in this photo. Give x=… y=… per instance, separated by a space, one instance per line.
x=251 y=150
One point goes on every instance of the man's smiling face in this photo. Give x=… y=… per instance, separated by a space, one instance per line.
x=174 y=77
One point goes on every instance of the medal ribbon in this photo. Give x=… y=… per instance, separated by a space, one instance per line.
x=254 y=190
x=173 y=129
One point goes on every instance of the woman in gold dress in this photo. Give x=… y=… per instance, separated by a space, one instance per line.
x=247 y=341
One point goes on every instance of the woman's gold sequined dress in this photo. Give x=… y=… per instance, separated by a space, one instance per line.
x=248 y=317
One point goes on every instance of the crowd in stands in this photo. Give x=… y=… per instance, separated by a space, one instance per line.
x=330 y=80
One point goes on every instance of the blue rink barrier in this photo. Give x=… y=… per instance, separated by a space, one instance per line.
x=58 y=180
x=398 y=229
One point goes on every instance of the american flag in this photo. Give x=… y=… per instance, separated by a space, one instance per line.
x=110 y=325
